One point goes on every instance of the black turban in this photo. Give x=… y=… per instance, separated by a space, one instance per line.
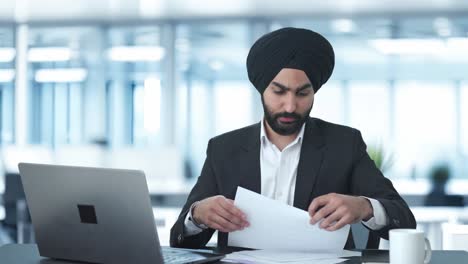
x=294 y=48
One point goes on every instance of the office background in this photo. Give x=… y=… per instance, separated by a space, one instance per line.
x=155 y=80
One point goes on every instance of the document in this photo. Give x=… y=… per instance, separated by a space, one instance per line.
x=278 y=226
x=288 y=257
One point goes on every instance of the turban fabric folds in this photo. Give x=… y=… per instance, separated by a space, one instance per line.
x=293 y=48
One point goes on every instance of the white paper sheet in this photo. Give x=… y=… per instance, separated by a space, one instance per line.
x=288 y=257
x=275 y=225
x=254 y=261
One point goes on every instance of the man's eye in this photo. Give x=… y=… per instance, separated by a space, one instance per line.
x=278 y=92
x=303 y=94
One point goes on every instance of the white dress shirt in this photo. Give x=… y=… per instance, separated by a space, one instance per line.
x=278 y=179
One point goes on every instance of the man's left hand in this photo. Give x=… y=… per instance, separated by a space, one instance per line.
x=338 y=210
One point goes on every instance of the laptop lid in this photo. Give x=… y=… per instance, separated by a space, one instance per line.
x=94 y=215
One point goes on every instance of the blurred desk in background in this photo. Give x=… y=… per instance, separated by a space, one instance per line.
x=430 y=220
x=169 y=193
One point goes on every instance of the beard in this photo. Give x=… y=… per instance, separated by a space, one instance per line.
x=285 y=128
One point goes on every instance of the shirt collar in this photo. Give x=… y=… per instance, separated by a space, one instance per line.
x=264 y=139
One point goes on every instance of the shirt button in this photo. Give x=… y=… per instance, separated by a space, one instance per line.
x=180 y=238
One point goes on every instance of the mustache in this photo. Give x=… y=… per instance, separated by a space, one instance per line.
x=288 y=115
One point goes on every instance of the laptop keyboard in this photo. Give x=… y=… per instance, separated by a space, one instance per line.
x=174 y=256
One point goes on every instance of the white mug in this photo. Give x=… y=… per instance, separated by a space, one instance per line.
x=409 y=246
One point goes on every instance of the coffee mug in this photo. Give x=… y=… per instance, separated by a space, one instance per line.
x=409 y=246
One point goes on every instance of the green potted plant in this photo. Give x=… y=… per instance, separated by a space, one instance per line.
x=381 y=158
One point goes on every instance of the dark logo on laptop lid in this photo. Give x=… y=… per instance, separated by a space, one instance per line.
x=87 y=214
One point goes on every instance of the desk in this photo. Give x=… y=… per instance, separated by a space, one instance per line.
x=431 y=218
x=28 y=254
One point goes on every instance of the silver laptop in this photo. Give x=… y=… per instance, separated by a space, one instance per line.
x=96 y=215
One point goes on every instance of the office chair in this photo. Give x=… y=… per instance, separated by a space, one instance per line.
x=16 y=211
x=442 y=199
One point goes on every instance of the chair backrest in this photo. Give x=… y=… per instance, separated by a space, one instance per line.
x=454 y=237
x=443 y=199
x=12 y=155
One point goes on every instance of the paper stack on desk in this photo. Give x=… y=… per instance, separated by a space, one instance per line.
x=278 y=226
x=288 y=257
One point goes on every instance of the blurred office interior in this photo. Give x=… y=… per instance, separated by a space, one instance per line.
x=145 y=84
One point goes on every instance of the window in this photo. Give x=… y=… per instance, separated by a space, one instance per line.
x=369 y=111
x=403 y=97
x=62 y=63
x=7 y=78
x=329 y=103
x=233 y=106
x=136 y=88
x=464 y=119
x=213 y=88
x=425 y=124
x=147 y=111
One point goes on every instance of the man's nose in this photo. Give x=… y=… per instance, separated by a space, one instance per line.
x=290 y=103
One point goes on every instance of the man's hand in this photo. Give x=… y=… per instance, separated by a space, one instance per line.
x=338 y=210
x=219 y=213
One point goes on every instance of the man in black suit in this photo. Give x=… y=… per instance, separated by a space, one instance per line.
x=305 y=162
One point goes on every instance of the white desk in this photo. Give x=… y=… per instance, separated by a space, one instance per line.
x=430 y=220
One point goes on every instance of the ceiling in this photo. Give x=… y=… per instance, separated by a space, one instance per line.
x=203 y=42
x=116 y=10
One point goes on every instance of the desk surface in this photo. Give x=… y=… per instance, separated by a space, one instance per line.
x=28 y=254
x=439 y=214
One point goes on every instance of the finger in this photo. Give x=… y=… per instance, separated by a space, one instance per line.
x=318 y=202
x=342 y=222
x=229 y=206
x=322 y=213
x=224 y=223
x=218 y=227
x=333 y=217
x=230 y=217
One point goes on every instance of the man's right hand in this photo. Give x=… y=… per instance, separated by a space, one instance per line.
x=219 y=213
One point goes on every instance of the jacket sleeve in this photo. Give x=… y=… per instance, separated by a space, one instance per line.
x=205 y=186
x=368 y=180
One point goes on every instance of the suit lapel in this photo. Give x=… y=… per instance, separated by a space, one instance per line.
x=249 y=161
x=312 y=152
x=247 y=169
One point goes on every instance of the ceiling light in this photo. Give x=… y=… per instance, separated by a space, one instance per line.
x=136 y=53
x=7 y=75
x=7 y=54
x=49 y=54
x=343 y=25
x=216 y=65
x=60 y=75
x=408 y=46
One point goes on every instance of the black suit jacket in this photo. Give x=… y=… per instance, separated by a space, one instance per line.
x=333 y=158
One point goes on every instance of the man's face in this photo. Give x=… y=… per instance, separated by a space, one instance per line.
x=287 y=101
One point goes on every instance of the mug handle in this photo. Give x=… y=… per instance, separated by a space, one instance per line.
x=428 y=251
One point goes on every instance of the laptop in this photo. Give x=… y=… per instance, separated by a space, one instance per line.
x=96 y=215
